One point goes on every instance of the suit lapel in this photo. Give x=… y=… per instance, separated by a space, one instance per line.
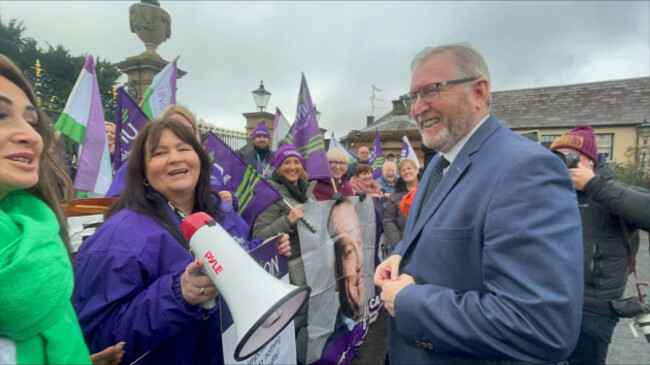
x=422 y=215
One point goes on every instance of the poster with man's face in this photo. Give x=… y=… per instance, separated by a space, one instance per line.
x=339 y=266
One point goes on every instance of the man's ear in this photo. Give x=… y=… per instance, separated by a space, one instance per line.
x=480 y=93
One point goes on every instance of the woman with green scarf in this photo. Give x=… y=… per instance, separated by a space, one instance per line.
x=38 y=324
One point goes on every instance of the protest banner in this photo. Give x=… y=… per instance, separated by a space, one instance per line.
x=83 y=121
x=340 y=259
x=282 y=349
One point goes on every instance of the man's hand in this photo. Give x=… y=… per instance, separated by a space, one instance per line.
x=581 y=176
x=390 y=290
x=387 y=270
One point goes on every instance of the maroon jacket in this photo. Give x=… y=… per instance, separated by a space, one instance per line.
x=324 y=191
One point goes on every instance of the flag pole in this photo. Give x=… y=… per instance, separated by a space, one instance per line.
x=333 y=185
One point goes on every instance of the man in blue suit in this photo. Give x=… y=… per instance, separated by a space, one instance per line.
x=490 y=266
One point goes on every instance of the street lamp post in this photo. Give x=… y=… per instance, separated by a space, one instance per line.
x=643 y=133
x=261 y=96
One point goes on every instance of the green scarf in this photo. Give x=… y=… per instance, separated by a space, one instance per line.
x=36 y=280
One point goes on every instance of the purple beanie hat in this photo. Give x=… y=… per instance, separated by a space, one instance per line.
x=261 y=130
x=581 y=139
x=284 y=151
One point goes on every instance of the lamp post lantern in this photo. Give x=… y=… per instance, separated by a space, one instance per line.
x=261 y=96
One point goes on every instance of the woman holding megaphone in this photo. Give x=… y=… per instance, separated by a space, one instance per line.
x=136 y=280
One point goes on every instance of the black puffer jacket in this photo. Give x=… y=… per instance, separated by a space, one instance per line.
x=603 y=202
x=394 y=219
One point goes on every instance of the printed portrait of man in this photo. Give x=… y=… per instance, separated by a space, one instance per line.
x=344 y=229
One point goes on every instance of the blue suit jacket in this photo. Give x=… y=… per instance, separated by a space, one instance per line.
x=496 y=255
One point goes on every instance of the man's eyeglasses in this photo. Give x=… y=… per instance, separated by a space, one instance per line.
x=431 y=91
x=339 y=163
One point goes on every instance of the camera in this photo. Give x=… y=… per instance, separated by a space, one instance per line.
x=634 y=308
x=570 y=159
x=643 y=322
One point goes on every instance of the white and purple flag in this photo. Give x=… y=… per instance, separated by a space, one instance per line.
x=305 y=135
x=336 y=143
x=376 y=160
x=280 y=128
x=162 y=92
x=83 y=121
x=408 y=152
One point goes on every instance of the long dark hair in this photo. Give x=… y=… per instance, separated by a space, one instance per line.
x=52 y=177
x=143 y=198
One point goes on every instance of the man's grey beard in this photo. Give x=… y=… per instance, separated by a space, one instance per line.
x=454 y=127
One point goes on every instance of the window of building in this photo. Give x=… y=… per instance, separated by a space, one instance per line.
x=547 y=139
x=605 y=144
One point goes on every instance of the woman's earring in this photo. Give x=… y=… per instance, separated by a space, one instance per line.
x=146 y=182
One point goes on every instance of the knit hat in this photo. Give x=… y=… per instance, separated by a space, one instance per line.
x=261 y=130
x=581 y=139
x=284 y=151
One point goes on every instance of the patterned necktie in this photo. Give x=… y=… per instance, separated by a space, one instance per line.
x=436 y=175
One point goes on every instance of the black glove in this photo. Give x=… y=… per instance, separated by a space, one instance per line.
x=629 y=307
x=362 y=195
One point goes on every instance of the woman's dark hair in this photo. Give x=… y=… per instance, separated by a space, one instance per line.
x=52 y=177
x=143 y=198
x=361 y=168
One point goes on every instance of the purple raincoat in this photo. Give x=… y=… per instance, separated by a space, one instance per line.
x=128 y=289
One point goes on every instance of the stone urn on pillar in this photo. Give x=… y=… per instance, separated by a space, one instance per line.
x=151 y=23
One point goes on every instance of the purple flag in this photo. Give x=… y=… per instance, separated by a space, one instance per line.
x=129 y=119
x=376 y=159
x=305 y=135
x=253 y=193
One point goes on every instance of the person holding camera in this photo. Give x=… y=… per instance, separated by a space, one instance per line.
x=611 y=213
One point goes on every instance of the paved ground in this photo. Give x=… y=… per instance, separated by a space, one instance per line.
x=625 y=348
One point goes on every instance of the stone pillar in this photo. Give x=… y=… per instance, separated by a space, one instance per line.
x=255 y=118
x=152 y=24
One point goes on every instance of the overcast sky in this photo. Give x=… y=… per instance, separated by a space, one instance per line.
x=345 y=47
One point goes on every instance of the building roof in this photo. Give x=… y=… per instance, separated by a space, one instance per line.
x=397 y=119
x=390 y=122
x=616 y=102
x=606 y=103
